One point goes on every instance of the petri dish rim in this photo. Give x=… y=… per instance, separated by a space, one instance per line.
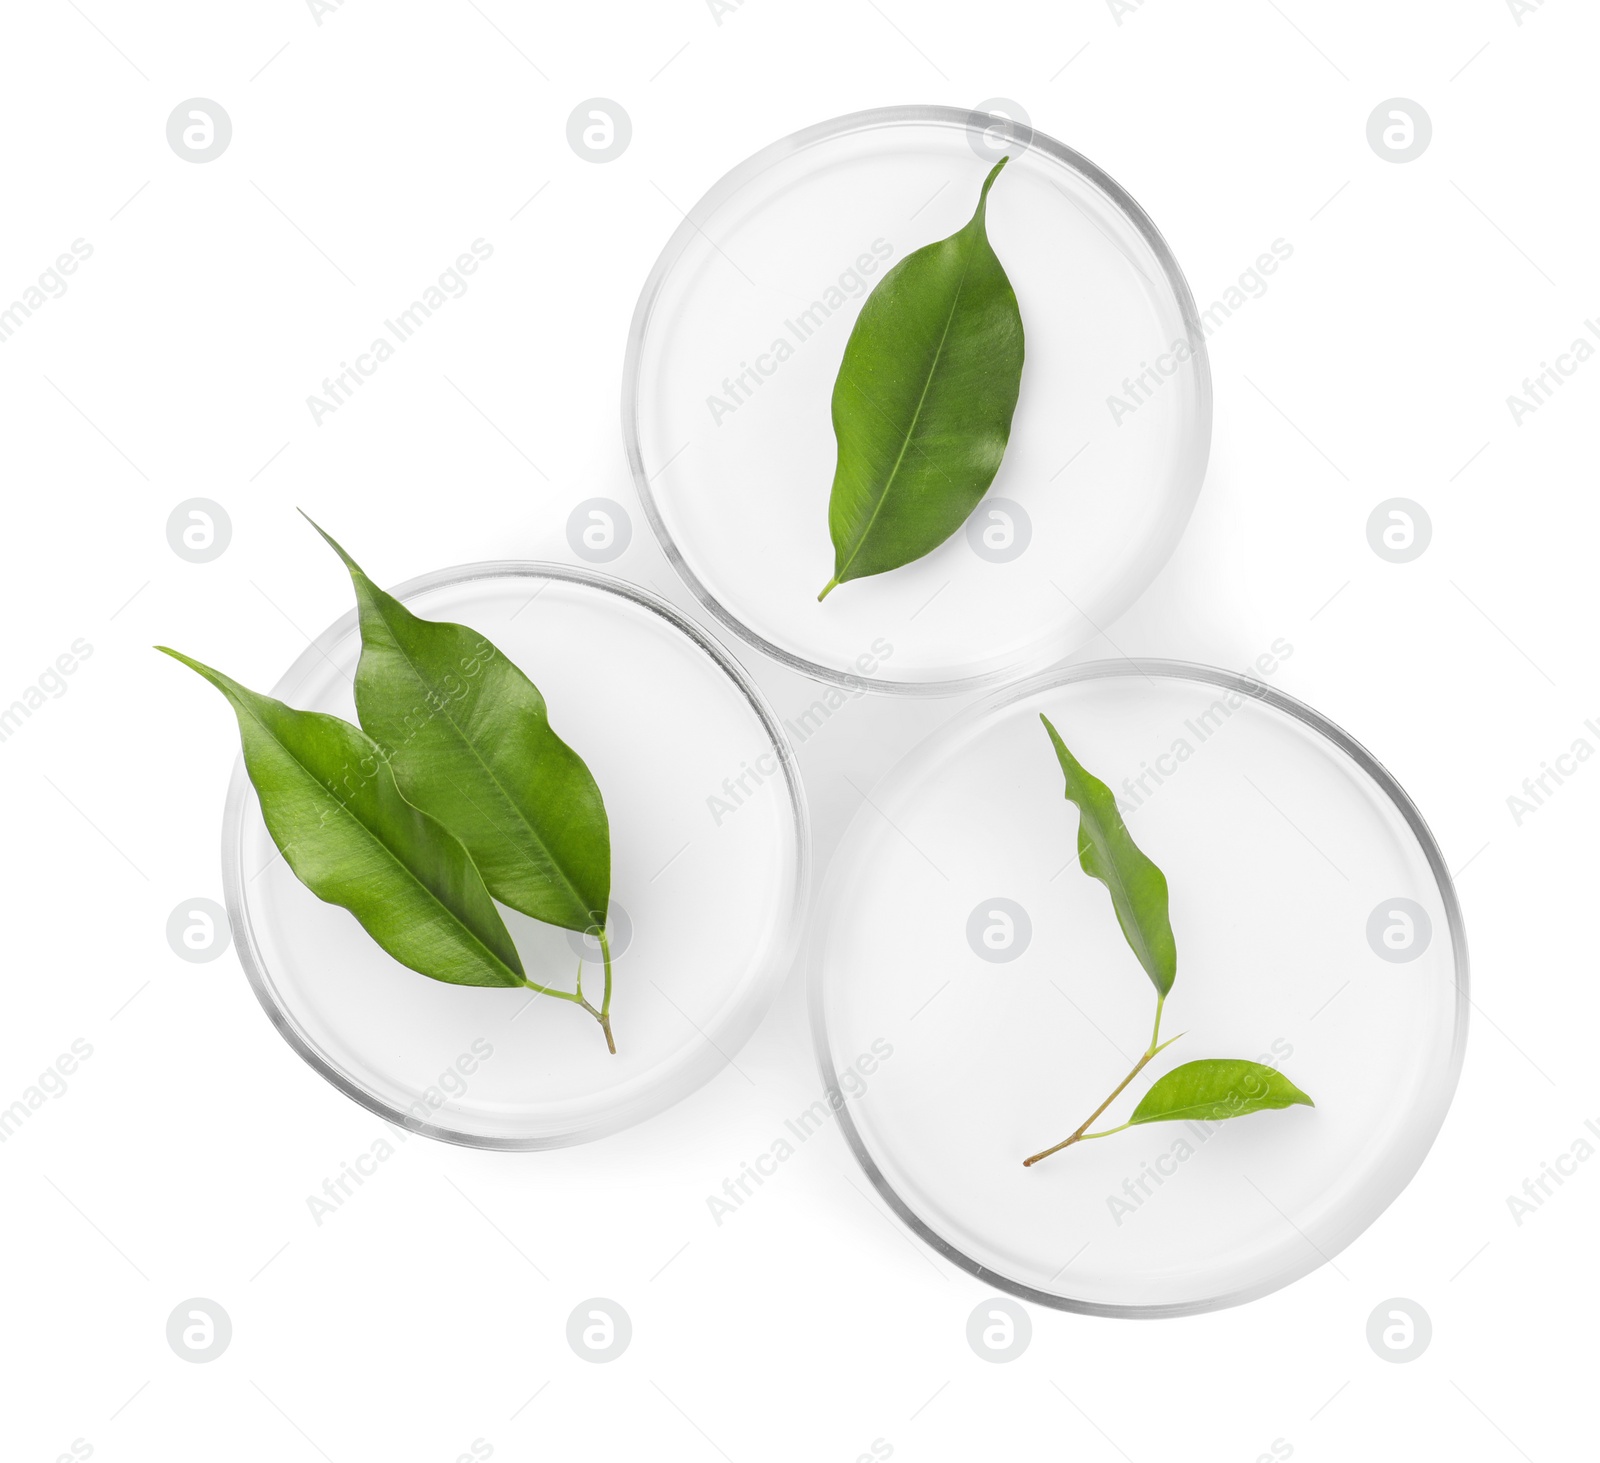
x=692 y=1075
x=1382 y=779
x=727 y=187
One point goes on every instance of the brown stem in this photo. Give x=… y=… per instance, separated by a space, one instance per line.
x=1083 y=1128
x=604 y=1018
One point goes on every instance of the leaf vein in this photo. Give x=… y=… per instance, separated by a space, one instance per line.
x=491 y=774
x=910 y=431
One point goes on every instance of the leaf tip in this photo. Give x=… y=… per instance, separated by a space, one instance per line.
x=200 y=668
x=331 y=542
x=988 y=183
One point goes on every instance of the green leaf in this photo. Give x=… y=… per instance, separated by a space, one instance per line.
x=470 y=742
x=331 y=805
x=1209 y=1091
x=923 y=402
x=1107 y=852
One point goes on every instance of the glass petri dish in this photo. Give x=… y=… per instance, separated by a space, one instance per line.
x=732 y=355
x=973 y=999
x=706 y=907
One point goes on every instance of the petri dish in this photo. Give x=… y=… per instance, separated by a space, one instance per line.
x=709 y=903
x=732 y=355
x=973 y=1000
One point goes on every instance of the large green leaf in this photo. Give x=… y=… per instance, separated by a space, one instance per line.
x=923 y=402
x=1209 y=1091
x=331 y=805
x=470 y=741
x=1107 y=852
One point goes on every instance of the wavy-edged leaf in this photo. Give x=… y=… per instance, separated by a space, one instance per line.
x=469 y=738
x=332 y=807
x=923 y=402
x=1107 y=852
x=1211 y=1090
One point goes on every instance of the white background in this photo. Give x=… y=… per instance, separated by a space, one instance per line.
x=429 y=1310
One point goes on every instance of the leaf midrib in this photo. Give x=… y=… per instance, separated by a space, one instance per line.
x=1112 y=878
x=1110 y=875
x=916 y=416
x=393 y=858
x=493 y=777
x=1182 y=1114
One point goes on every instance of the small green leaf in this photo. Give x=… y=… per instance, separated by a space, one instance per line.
x=470 y=741
x=1209 y=1091
x=923 y=402
x=1107 y=852
x=332 y=807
